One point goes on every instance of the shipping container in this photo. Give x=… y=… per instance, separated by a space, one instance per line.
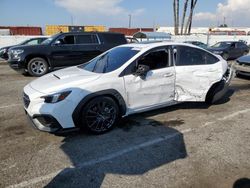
x=130 y=31
x=4 y=32
x=23 y=30
x=76 y=28
x=97 y=28
x=53 y=29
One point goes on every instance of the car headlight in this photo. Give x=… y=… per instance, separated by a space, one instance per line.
x=3 y=50
x=57 y=97
x=16 y=53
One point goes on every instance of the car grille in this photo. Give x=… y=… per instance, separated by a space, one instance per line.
x=26 y=100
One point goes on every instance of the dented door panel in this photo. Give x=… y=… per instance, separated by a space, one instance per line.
x=193 y=82
x=155 y=89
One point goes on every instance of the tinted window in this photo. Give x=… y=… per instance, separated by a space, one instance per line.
x=110 y=60
x=156 y=60
x=241 y=45
x=114 y=38
x=192 y=56
x=86 y=39
x=70 y=39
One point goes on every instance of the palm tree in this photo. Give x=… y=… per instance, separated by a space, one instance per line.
x=190 y=18
x=176 y=4
x=184 y=15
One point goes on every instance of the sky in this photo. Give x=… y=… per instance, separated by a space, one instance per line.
x=115 y=13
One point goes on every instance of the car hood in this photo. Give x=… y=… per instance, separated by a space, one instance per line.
x=63 y=79
x=244 y=59
x=7 y=47
x=38 y=46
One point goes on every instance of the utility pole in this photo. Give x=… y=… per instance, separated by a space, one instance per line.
x=72 y=20
x=129 y=20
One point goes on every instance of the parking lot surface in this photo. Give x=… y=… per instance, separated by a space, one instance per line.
x=187 y=145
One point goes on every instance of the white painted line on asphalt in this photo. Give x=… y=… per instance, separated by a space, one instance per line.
x=234 y=114
x=11 y=105
x=120 y=153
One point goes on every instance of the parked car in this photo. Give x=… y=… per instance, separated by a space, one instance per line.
x=131 y=39
x=31 y=41
x=242 y=66
x=62 y=50
x=125 y=80
x=230 y=49
x=197 y=43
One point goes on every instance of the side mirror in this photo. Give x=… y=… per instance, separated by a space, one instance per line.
x=59 y=42
x=142 y=70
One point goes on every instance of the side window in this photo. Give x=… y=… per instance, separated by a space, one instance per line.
x=185 y=56
x=87 y=39
x=156 y=60
x=70 y=39
x=33 y=42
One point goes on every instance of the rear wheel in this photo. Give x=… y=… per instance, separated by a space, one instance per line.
x=38 y=67
x=100 y=115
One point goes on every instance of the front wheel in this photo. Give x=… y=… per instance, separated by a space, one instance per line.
x=100 y=115
x=38 y=67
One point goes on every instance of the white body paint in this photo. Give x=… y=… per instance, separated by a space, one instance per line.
x=161 y=87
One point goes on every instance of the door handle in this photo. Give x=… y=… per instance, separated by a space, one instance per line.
x=168 y=74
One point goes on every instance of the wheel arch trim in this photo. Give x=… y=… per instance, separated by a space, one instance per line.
x=114 y=94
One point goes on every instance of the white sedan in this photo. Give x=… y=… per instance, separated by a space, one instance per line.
x=125 y=80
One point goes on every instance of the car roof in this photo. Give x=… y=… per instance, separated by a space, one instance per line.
x=157 y=44
x=93 y=32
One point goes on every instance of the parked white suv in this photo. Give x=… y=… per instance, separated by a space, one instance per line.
x=124 y=80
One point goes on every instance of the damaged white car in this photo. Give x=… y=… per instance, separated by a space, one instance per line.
x=125 y=80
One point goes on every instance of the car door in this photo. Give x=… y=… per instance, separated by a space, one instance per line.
x=196 y=71
x=157 y=87
x=61 y=51
x=87 y=47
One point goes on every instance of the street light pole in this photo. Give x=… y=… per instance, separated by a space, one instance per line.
x=129 y=21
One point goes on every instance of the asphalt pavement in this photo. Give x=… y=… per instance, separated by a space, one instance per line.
x=186 y=145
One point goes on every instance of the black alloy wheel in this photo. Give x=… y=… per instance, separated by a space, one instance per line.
x=100 y=115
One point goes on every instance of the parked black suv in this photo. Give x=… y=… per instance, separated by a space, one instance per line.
x=62 y=50
x=230 y=49
x=31 y=41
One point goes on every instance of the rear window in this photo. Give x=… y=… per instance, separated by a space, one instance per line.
x=114 y=38
x=193 y=56
x=86 y=39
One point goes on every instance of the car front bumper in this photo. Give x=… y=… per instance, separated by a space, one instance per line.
x=242 y=68
x=49 y=117
x=18 y=66
x=46 y=123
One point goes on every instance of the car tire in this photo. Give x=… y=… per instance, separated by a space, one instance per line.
x=38 y=67
x=100 y=115
x=225 y=56
x=211 y=93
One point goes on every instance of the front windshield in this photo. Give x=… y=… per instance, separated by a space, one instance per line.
x=48 y=40
x=110 y=61
x=222 y=44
